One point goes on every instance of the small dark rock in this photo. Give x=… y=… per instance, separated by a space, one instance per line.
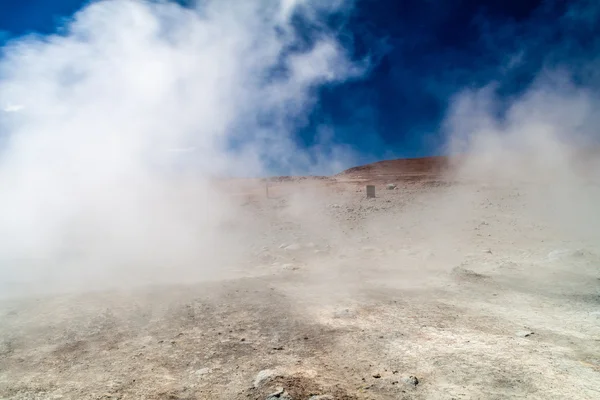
x=412 y=380
x=278 y=394
x=524 y=334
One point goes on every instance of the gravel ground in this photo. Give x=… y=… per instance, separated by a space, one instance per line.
x=429 y=291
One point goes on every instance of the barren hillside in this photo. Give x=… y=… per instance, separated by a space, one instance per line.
x=404 y=169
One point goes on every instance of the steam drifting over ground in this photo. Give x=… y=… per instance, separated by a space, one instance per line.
x=121 y=136
x=545 y=140
x=90 y=179
x=96 y=118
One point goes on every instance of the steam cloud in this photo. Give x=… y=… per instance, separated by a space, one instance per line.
x=95 y=120
x=113 y=130
x=543 y=142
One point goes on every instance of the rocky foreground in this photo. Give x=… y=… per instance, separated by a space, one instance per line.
x=429 y=291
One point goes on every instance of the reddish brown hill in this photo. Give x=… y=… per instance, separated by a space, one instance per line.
x=400 y=169
x=582 y=161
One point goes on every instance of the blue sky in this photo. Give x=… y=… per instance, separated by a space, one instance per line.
x=423 y=52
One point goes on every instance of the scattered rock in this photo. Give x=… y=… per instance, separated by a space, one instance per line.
x=391 y=186
x=412 y=380
x=264 y=376
x=524 y=334
x=277 y=394
x=376 y=376
x=321 y=397
x=280 y=393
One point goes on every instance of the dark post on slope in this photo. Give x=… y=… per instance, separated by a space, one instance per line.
x=370 y=191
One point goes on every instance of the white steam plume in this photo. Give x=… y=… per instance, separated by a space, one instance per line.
x=544 y=144
x=86 y=167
